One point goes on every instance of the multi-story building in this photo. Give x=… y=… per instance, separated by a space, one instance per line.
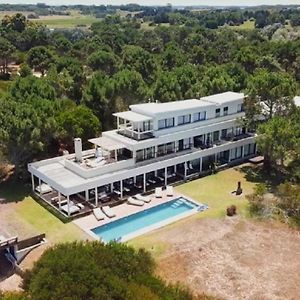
x=153 y=144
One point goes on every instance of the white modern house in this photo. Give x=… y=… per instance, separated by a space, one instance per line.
x=154 y=144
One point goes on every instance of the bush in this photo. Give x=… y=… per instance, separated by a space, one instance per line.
x=92 y=270
x=231 y=210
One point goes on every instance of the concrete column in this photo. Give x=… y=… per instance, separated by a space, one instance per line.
x=96 y=196
x=111 y=187
x=145 y=184
x=243 y=151
x=40 y=183
x=59 y=200
x=155 y=173
x=185 y=169
x=155 y=150
x=200 y=166
x=121 y=188
x=87 y=195
x=116 y=155
x=175 y=169
x=32 y=182
x=166 y=176
x=68 y=200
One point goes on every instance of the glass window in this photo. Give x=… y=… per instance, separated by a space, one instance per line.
x=200 y=116
x=218 y=110
x=225 y=111
x=184 y=119
x=161 y=124
x=216 y=136
x=240 y=107
x=165 y=123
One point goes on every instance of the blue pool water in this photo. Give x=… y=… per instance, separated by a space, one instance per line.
x=119 y=228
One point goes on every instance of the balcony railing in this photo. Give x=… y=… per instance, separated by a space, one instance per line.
x=138 y=136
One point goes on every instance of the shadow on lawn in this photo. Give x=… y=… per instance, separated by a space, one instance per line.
x=14 y=190
x=258 y=174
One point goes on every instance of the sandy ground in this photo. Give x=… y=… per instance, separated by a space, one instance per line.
x=233 y=258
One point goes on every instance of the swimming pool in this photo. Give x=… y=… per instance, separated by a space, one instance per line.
x=144 y=221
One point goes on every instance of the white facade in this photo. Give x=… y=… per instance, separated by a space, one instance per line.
x=154 y=140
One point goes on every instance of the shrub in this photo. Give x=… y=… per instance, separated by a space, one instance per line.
x=231 y=210
x=92 y=270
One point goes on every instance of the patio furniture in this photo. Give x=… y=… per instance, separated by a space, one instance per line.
x=44 y=188
x=56 y=199
x=102 y=195
x=152 y=181
x=99 y=215
x=73 y=208
x=158 y=192
x=108 y=211
x=142 y=198
x=126 y=189
x=117 y=192
x=170 y=191
x=135 y=202
x=80 y=205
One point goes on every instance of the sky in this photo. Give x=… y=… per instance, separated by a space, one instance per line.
x=158 y=2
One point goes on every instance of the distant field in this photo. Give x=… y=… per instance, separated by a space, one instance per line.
x=56 y=21
x=247 y=25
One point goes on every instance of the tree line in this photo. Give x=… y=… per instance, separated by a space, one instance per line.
x=69 y=82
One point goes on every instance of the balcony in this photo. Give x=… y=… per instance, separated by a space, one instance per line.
x=136 y=135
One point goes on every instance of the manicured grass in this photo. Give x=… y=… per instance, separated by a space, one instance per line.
x=216 y=191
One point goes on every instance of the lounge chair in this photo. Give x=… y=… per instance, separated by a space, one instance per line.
x=142 y=198
x=135 y=202
x=73 y=208
x=158 y=192
x=108 y=211
x=170 y=191
x=44 y=188
x=99 y=215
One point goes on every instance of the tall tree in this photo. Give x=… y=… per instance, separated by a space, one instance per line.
x=274 y=91
x=6 y=52
x=40 y=58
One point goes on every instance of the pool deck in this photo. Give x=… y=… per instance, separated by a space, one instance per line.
x=123 y=210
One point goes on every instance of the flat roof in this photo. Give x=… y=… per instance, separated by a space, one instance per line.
x=223 y=97
x=154 y=107
x=132 y=116
x=107 y=143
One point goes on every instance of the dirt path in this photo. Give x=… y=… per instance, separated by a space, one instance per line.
x=233 y=258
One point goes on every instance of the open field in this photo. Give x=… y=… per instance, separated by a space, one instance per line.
x=247 y=25
x=57 y=21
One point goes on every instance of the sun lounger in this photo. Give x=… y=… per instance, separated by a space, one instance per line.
x=135 y=202
x=44 y=188
x=117 y=192
x=152 y=181
x=108 y=211
x=73 y=209
x=169 y=191
x=158 y=192
x=99 y=215
x=142 y=198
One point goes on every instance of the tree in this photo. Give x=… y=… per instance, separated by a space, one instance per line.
x=40 y=58
x=274 y=91
x=104 y=61
x=25 y=70
x=140 y=60
x=77 y=122
x=278 y=139
x=16 y=22
x=6 y=52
